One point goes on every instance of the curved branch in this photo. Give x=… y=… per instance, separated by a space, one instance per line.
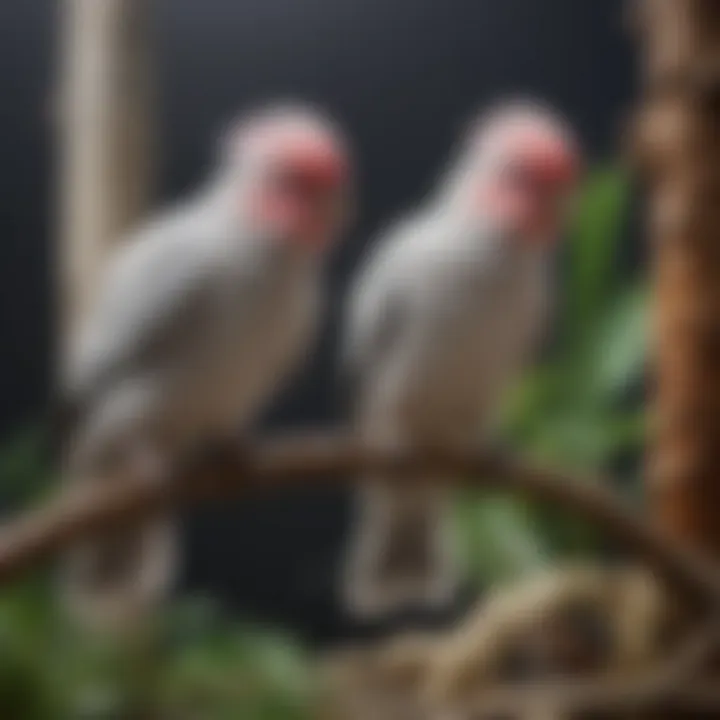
x=231 y=468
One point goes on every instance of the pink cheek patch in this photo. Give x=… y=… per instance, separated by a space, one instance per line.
x=288 y=218
x=552 y=159
x=558 y=167
x=319 y=164
x=309 y=163
x=305 y=151
x=509 y=208
x=272 y=210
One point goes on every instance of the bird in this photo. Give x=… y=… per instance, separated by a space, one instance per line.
x=204 y=313
x=443 y=315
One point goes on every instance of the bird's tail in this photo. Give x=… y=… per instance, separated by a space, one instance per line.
x=402 y=554
x=115 y=582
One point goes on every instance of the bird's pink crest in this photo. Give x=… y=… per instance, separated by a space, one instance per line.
x=307 y=146
x=305 y=167
x=534 y=164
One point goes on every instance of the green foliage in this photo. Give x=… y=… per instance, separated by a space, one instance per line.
x=198 y=666
x=216 y=669
x=498 y=535
x=573 y=409
x=24 y=472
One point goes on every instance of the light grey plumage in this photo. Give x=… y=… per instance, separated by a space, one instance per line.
x=204 y=314
x=443 y=316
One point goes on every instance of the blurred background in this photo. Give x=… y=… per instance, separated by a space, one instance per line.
x=403 y=76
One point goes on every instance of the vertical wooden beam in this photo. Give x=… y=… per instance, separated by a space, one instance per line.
x=105 y=139
x=680 y=144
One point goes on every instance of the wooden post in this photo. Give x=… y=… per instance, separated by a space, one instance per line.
x=680 y=144
x=105 y=142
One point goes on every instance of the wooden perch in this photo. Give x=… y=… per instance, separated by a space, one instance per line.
x=231 y=468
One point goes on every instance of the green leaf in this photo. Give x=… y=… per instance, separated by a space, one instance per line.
x=23 y=473
x=497 y=537
x=527 y=402
x=594 y=241
x=619 y=349
x=229 y=671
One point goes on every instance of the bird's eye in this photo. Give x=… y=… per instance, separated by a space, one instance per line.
x=301 y=184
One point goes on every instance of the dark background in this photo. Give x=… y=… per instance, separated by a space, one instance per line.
x=403 y=76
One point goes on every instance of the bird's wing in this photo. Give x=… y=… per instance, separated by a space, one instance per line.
x=156 y=294
x=378 y=311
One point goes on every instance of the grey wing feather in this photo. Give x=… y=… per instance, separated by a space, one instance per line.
x=157 y=287
x=378 y=308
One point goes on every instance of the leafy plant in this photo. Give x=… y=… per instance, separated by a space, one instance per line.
x=220 y=669
x=198 y=666
x=24 y=471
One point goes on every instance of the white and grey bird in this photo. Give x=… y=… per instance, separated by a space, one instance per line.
x=204 y=313
x=443 y=316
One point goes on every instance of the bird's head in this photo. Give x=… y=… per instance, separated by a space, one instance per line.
x=295 y=170
x=527 y=165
